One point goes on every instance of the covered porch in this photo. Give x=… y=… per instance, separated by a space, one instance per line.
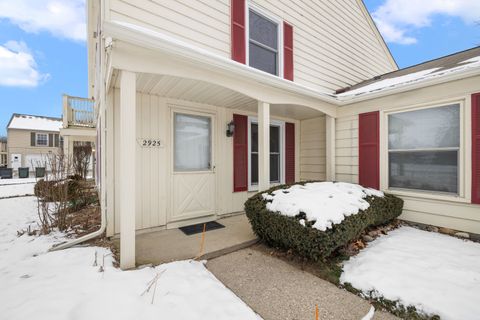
x=146 y=91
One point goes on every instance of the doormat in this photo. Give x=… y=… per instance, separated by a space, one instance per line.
x=198 y=228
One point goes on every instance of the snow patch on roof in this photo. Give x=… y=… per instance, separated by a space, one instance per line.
x=417 y=77
x=28 y=122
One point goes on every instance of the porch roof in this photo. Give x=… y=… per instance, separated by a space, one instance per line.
x=144 y=39
x=204 y=92
x=145 y=51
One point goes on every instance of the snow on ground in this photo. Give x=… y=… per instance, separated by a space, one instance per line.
x=436 y=273
x=327 y=203
x=36 y=284
x=9 y=190
x=16 y=181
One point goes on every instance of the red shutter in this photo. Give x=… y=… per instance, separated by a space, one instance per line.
x=287 y=51
x=240 y=153
x=369 y=151
x=476 y=148
x=289 y=152
x=238 y=30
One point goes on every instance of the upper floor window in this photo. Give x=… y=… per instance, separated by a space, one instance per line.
x=424 y=149
x=264 y=42
x=42 y=139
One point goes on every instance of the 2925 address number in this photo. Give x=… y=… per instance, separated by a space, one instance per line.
x=150 y=143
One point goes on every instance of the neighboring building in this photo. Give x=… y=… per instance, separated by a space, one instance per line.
x=79 y=125
x=3 y=152
x=169 y=79
x=30 y=139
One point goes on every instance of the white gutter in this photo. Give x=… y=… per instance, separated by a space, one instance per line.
x=459 y=75
x=99 y=232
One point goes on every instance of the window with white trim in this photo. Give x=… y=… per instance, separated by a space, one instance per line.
x=424 y=149
x=276 y=152
x=41 y=139
x=264 y=42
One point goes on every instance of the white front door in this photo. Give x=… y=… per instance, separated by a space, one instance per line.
x=15 y=160
x=193 y=169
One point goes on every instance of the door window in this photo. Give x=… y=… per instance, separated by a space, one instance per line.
x=192 y=142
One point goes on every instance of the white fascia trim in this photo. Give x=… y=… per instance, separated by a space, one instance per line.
x=150 y=39
x=468 y=73
x=157 y=41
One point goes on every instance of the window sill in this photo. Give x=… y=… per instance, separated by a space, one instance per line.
x=428 y=195
x=254 y=188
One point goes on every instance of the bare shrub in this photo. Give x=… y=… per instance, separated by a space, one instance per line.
x=53 y=193
x=82 y=155
x=65 y=199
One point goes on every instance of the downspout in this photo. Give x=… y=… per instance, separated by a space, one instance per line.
x=103 y=223
x=99 y=232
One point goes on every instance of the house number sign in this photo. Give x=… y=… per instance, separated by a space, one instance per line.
x=150 y=143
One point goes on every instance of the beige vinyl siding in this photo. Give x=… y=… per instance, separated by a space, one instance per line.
x=334 y=43
x=346 y=149
x=312 y=149
x=3 y=154
x=152 y=172
x=428 y=208
x=18 y=142
x=205 y=24
x=457 y=216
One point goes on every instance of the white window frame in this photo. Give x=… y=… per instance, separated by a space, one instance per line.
x=36 y=139
x=278 y=123
x=264 y=13
x=463 y=194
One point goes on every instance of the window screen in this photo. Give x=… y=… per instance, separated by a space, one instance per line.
x=263 y=43
x=424 y=149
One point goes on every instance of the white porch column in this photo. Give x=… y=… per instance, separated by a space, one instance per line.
x=66 y=146
x=330 y=148
x=127 y=169
x=263 y=145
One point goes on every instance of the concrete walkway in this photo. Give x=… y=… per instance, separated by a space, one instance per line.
x=277 y=290
x=170 y=245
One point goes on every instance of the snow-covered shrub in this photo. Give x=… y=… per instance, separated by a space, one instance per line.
x=291 y=228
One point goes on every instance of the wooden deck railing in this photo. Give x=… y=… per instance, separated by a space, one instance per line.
x=78 y=112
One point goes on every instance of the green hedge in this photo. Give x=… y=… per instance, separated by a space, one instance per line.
x=286 y=232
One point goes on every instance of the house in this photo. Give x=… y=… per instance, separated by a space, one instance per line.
x=30 y=139
x=201 y=104
x=3 y=152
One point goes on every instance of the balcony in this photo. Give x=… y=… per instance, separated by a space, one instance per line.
x=78 y=112
x=79 y=122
